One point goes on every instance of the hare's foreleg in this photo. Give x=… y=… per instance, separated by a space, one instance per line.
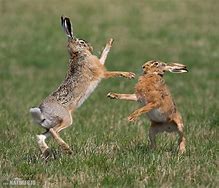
x=140 y=111
x=106 y=51
x=112 y=74
x=128 y=97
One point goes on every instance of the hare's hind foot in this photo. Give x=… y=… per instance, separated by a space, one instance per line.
x=67 y=149
x=182 y=150
x=182 y=147
x=64 y=146
x=41 y=142
x=45 y=150
x=182 y=140
x=47 y=154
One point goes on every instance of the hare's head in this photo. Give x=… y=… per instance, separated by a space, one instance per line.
x=75 y=45
x=156 y=67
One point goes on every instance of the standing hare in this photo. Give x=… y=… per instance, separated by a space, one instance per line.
x=85 y=72
x=152 y=92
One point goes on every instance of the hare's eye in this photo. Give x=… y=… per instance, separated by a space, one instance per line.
x=156 y=63
x=82 y=42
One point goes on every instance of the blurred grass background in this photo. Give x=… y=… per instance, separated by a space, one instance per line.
x=109 y=151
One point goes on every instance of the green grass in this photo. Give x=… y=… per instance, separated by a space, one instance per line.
x=109 y=151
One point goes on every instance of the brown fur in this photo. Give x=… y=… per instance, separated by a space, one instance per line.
x=85 y=71
x=152 y=92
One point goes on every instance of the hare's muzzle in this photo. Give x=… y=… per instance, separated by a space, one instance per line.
x=176 y=68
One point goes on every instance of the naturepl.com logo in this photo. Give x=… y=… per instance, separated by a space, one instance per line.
x=18 y=181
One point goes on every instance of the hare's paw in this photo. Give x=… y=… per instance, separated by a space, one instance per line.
x=132 y=117
x=47 y=154
x=69 y=151
x=66 y=149
x=181 y=149
x=112 y=95
x=110 y=42
x=129 y=75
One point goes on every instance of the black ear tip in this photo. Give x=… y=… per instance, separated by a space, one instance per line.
x=62 y=20
x=67 y=19
x=66 y=24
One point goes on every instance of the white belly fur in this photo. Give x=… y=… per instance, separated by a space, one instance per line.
x=156 y=115
x=87 y=93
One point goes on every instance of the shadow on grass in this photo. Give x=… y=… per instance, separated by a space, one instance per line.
x=50 y=154
x=143 y=148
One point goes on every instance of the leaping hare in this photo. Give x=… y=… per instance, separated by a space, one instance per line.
x=84 y=73
x=152 y=92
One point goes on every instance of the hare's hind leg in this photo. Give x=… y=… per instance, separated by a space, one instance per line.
x=55 y=130
x=158 y=128
x=153 y=131
x=40 y=119
x=182 y=141
x=65 y=147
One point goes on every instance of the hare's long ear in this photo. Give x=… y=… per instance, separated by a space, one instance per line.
x=66 y=24
x=176 y=68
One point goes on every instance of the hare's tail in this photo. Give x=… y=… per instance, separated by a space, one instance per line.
x=37 y=115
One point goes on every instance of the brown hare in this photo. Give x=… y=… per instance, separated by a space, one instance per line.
x=153 y=94
x=84 y=73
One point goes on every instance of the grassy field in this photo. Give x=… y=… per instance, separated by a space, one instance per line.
x=109 y=151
